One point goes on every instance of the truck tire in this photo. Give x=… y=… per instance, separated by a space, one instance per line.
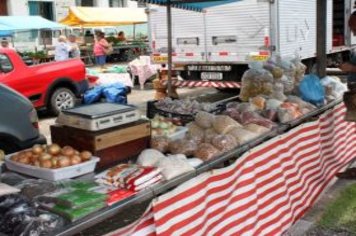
x=61 y=99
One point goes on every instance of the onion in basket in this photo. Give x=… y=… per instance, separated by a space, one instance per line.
x=37 y=149
x=67 y=151
x=54 y=149
x=86 y=156
x=63 y=161
x=75 y=160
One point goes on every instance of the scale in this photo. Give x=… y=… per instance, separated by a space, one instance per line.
x=98 y=116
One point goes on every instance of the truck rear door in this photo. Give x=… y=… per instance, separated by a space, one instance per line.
x=188 y=35
x=242 y=31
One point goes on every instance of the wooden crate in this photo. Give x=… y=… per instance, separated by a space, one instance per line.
x=110 y=145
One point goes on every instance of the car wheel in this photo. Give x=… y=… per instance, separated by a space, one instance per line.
x=61 y=99
x=8 y=147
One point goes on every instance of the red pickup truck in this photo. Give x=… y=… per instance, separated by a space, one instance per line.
x=54 y=85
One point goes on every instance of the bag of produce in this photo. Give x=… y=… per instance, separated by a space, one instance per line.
x=273 y=104
x=300 y=102
x=255 y=118
x=160 y=143
x=311 y=90
x=195 y=132
x=209 y=135
x=258 y=129
x=233 y=113
x=206 y=151
x=224 y=143
x=224 y=124
x=79 y=199
x=271 y=114
x=243 y=136
x=259 y=102
x=300 y=69
x=172 y=167
x=184 y=146
x=288 y=112
x=204 y=119
x=149 y=157
x=256 y=81
x=76 y=214
x=334 y=88
x=278 y=92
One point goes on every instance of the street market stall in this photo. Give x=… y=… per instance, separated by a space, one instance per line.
x=94 y=16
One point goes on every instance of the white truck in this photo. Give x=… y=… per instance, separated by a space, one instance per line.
x=218 y=43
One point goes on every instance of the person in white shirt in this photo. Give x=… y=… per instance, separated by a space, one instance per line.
x=75 y=51
x=62 y=49
x=5 y=44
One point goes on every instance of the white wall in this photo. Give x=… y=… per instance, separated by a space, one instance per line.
x=101 y=3
x=131 y=4
x=17 y=7
x=61 y=8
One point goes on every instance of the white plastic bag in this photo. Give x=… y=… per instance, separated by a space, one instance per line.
x=172 y=167
x=150 y=157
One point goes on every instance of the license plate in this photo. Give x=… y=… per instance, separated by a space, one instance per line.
x=160 y=59
x=259 y=57
x=211 y=76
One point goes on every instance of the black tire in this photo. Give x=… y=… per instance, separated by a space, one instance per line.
x=8 y=147
x=61 y=99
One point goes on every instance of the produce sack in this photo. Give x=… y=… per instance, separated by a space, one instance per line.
x=150 y=157
x=258 y=129
x=224 y=124
x=206 y=151
x=172 y=167
x=209 y=135
x=273 y=104
x=233 y=113
x=300 y=102
x=184 y=146
x=334 y=88
x=224 y=143
x=160 y=143
x=242 y=135
x=256 y=81
x=270 y=114
x=79 y=199
x=311 y=90
x=195 y=132
x=115 y=93
x=278 y=92
x=259 y=102
x=255 y=118
x=204 y=119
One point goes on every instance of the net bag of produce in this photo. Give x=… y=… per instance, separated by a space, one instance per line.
x=242 y=135
x=259 y=102
x=224 y=124
x=186 y=147
x=224 y=143
x=300 y=69
x=195 y=132
x=150 y=157
x=258 y=129
x=311 y=90
x=160 y=143
x=209 y=135
x=204 y=119
x=206 y=151
x=256 y=81
x=278 y=92
x=172 y=167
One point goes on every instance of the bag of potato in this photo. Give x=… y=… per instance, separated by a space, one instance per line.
x=206 y=151
x=204 y=119
x=242 y=135
x=224 y=124
x=224 y=143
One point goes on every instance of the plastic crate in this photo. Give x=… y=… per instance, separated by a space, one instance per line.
x=152 y=110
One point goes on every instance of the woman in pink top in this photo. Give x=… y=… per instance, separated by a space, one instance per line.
x=99 y=49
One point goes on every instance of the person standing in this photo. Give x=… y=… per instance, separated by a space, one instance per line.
x=74 y=51
x=100 y=47
x=350 y=68
x=62 y=49
x=121 y=37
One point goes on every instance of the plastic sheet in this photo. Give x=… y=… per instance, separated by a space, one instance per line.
x=311 y=90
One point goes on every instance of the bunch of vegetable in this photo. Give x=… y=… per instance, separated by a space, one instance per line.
x=162 y=126
x=51 y=156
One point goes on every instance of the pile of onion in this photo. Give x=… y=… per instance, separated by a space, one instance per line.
x=51 y=156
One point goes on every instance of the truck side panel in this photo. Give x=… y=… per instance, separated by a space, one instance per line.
x=297 y=28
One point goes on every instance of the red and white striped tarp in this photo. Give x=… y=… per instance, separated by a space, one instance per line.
x=266 y=190
x=211 y=84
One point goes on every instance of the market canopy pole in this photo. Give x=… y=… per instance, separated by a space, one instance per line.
x=169 y=30
x=321 y=37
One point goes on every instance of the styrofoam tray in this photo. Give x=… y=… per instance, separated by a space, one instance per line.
x=52 y=174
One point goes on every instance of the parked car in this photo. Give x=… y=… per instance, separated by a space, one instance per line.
x=19 y=122
x=54 y=85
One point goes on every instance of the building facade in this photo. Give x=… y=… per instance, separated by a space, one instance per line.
x=54 y=10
